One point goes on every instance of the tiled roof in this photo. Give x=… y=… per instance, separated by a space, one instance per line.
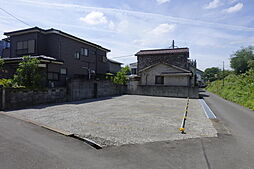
x=162 y=51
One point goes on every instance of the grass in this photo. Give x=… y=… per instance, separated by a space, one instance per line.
x=237 y=88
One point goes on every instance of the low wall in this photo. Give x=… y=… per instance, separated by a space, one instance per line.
x=169 y=91
x=79 y=89
x=134 y=87
x=1 y=97
x=19 y=98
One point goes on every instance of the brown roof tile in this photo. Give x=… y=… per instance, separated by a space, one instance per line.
x=162 y=51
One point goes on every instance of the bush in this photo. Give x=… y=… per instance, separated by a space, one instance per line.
x=28 y=73
x=237 y=88
x=6 y=82
x=121 y=76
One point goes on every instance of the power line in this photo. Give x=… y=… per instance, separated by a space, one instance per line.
x=15 y=17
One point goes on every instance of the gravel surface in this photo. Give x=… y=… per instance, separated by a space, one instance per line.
x=127 y=119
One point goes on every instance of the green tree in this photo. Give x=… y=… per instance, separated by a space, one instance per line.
x=121 y=76
x=242 y=60
x=28 y=73
x=251 y=64
x=212 y=74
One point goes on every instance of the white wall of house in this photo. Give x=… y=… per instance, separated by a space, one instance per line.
x=176 y=80
x=148 y=76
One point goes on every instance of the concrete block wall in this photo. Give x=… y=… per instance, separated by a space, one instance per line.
x=135 y=88
x=19 y=98
x=169 y=91
x=1 y=97
x=79 y=89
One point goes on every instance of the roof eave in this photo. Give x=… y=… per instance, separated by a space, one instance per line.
x=37 y=29
x=18 y=32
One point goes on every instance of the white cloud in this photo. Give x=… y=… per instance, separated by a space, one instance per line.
x=162 y=1
x=95 y=18
x=158 y=36
x=234 y=8
x=163 y=28
x=213 y=4
x=233 y=1
x=111 y=25
x=246 y=40
x=146 y=15
x=123 y=26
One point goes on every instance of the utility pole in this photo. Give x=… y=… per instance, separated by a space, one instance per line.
x=223 y=74
x=173 y=45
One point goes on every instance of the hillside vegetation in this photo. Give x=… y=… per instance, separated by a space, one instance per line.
x=237 y=88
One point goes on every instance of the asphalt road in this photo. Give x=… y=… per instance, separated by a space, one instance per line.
x=26 y=146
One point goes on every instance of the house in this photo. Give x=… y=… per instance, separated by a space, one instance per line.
x=63 y=56
x=168 y=67
x=164 y=72
x=114 y=66
x=200 y=79
x=133 y=67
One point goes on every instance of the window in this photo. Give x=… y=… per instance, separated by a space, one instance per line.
x=134 y=71
x=77 y=55
x=159 y=79
x=53 y=76
x=31 y=46
x=63 y=71
x=25 y=47
x=84 y=52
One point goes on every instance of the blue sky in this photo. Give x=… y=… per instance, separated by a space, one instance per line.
x=212 y=29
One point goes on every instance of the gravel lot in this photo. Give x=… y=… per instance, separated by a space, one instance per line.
x=127 y=119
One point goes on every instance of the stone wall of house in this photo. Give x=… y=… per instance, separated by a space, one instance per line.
x=173 y=59
x=19 y=98
x=79 y=89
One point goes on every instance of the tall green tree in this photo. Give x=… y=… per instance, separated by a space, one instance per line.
x=28 y=73
x=121 y=76
x=212 y=74
x=242 y=60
